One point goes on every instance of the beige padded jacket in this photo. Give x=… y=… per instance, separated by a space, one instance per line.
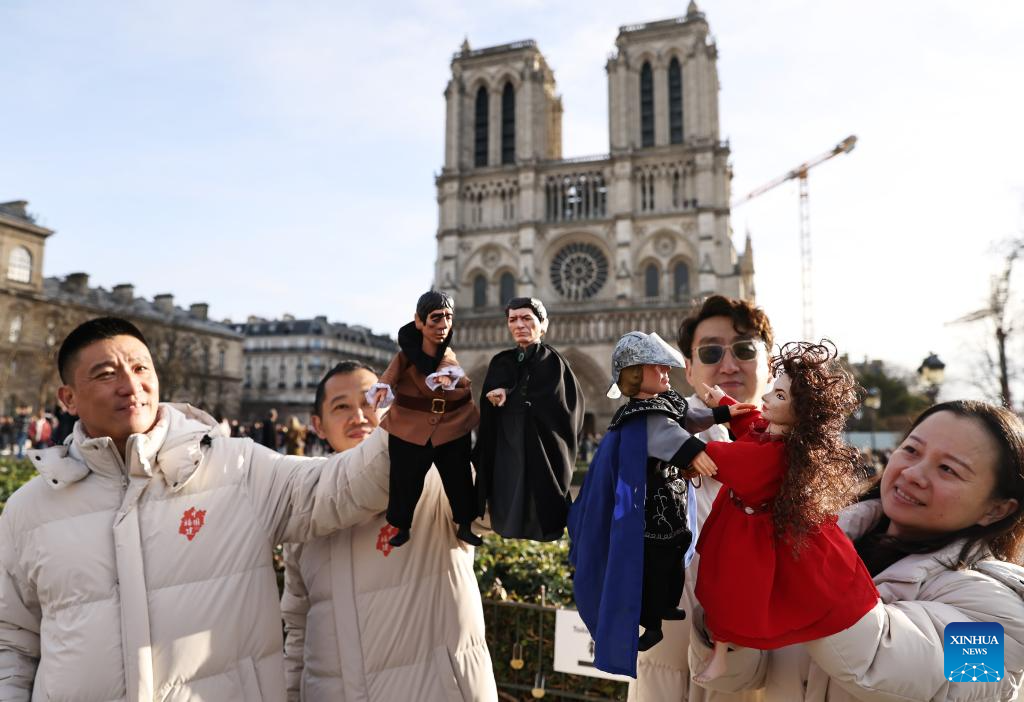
x=894 y=653
x=151 y=578
x=366 y=622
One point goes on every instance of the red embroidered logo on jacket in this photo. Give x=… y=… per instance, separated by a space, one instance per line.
x=191 y=522
x=386 y=532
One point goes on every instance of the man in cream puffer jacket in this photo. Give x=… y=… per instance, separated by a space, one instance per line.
x=139 y=567
x=367 y=622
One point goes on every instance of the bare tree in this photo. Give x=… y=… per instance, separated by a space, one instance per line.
x=1001 y=315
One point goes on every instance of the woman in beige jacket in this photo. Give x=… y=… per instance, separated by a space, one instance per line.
x=367 y=622
x=943 y=543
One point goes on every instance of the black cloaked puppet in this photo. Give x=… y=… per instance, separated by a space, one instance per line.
x=531 y=415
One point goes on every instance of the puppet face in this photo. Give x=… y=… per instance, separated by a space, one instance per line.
x=743 y=380
x=942 y=479
x=437 y=325
x=524 y=326
x=777 y=403
x=346 y=418
x=655 y=380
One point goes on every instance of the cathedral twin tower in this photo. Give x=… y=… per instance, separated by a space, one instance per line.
x=625 y=240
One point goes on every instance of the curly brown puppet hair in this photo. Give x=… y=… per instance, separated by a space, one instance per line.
x=822 y=475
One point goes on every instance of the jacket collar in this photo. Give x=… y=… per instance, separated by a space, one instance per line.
x=858 y=519
x=171 y=448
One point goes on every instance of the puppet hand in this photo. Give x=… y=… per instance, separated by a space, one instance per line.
x=712 y=395
x=378 y=398
x=497 y=397
x=444 y=381
x=703 y=464
x=742 y=408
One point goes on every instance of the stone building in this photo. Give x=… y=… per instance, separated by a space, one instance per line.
x=286 y=358
x=620 y=241
x=198 y=360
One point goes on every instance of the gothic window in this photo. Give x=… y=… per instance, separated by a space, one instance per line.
x=675 y=102
x=681 y=281
x=19 y=265
x=15 y=330
x=579 y=271
x=646 y=105
x=575 y=196
x=508 y=124
x=479 y=292
x=646 y=181
x=507 y=286
x=480 y=130
x=676 y=189
x=651 y=281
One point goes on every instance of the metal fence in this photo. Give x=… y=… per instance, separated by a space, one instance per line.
x=521 y=637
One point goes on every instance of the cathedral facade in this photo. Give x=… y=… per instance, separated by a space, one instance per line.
x=611 y=243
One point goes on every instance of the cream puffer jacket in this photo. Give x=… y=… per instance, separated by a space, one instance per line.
x=150 y=578
x=894 y=653
x=366 y=622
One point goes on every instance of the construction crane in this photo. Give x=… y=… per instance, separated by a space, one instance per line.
x=800 y=173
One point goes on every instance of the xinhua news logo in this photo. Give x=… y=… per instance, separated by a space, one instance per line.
x=973 y=651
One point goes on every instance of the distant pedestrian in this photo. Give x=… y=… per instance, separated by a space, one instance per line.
x=268 y=433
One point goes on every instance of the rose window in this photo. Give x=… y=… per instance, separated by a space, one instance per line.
x=579 y=271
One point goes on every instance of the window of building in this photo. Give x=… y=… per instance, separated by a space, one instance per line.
x=507 y=285
x=15 y=329
x=681 y=281
x=19 y=265
x=676 y=189
x=675 y=102
x=479 y=292
x=646 y=105
x=508 y=124
x=480 y=130
x=651 y=281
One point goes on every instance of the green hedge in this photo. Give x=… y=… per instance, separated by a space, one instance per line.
x=14 y=472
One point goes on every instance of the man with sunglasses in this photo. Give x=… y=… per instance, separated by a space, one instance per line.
x=725 y=342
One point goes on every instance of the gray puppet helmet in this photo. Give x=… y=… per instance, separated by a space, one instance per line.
x=637 y=348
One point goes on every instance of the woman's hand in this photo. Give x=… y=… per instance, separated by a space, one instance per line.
x=445 y=382
x=703 y=464
x=497 y=396
x=712 y=395
x=378 y=397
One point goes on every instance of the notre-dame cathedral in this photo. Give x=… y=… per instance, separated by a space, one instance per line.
x=611 y=243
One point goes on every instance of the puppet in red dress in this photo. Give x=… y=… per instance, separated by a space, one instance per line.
x=775 y=569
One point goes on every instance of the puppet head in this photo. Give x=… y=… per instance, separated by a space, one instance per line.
x=434 y=315
x=527 y=320
x=631 y=354
x=822 y=471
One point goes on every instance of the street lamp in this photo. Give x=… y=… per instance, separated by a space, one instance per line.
x=932 y=372
x=873 y=402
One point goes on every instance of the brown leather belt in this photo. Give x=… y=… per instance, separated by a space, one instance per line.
x=764 y=507
x=434 y=405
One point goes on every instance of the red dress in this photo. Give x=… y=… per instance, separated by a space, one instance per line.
x=754 y=591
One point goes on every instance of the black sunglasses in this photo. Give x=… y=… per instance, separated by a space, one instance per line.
x=742 y=350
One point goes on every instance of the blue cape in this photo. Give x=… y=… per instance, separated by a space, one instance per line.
x=606 y=532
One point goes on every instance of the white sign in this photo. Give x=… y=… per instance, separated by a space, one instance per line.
x=574 y=649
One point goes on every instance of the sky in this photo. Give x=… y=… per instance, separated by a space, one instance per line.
x=279 y=157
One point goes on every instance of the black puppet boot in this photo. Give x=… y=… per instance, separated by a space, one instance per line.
x=649 y=638
x=466 y=534
x=400 y=538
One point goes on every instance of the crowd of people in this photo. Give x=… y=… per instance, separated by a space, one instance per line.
x=138 y=565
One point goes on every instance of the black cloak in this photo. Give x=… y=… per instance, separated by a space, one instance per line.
x=545 y=395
